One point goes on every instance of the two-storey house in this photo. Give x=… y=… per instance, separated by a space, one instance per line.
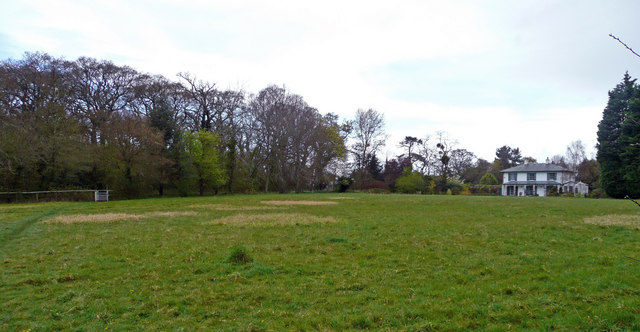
x=539 y=179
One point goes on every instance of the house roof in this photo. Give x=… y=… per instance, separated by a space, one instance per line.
x=537 y=167
x=532 y=183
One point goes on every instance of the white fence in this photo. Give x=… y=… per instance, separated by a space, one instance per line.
x=98 y=195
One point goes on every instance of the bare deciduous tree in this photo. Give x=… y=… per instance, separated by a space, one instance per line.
x=575 y=155
x=369 y=135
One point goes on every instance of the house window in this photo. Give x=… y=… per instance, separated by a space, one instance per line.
x=531 y=176
x=512 y=176
x=551 y=176
x=510 y=191
x=529 y=191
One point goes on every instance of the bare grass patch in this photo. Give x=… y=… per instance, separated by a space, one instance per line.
x=169 y=213
x=273 y=219
x=615 y=220
x=226 y=207
x=113 y=217
x=11 y=206
x=298 y=203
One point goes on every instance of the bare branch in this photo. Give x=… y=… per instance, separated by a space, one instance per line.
x=625 y=45
x=631 y=199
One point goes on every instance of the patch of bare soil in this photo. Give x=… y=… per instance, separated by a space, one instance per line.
x=615 y=220
x=273 y=219
x=298 y=203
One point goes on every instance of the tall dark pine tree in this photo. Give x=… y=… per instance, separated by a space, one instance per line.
x=611 y=141
x=502 y=154
x=631 y=146
x=375 y=168
x=508 y=157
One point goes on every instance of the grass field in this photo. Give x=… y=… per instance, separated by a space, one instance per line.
x=321 y=261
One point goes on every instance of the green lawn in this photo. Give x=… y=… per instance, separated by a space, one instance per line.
x=388 y=262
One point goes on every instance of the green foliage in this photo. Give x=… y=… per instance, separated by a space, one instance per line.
x=91 y=124
x=597 y=193
x=410 y=182
x=631 y=146
x=343 y=183
x=489 y=179
x=618 y=131
x=202 y=147
x=239 y=255
x=508 y=157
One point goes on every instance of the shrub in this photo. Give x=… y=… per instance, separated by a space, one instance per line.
x=485 y=190
x=376 y=184
x=343 y=184
x=239 y=255
x=410 y=182
x=466 y=189
x=488 y=180
x=454 y=185
x=597 y=193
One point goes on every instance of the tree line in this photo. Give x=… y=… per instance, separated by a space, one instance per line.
x=93 y=124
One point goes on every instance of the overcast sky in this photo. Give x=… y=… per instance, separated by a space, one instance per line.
x=528 y=74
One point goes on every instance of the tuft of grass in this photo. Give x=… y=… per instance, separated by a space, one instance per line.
x=336 y=240
x=240 y=256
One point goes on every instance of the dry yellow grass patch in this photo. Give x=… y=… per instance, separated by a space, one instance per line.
x=11 y=206
x=112 y=217
x=226 y=207
x=615 y=220
x=273 y=219
x=105 y=217
x=169 y=213
x=298 y=203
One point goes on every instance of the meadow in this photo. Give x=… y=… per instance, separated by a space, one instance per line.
x=321 y=262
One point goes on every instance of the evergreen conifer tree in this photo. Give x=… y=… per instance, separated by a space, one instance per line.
x=631 y=146
x=611 y=141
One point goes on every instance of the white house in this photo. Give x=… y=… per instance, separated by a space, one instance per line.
x=539 y=179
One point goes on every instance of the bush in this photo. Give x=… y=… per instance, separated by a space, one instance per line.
x=597 y=193
x=239 y=255
x=485 y=190
x=466 y=189
x=489 y=180
x=376 y=184
x=344 y=182
x=455 y=186
x=410 y=182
